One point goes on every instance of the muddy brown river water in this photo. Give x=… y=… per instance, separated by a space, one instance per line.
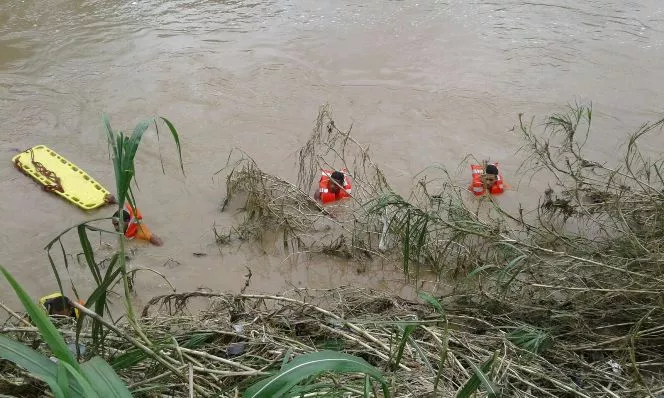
x=423 y=82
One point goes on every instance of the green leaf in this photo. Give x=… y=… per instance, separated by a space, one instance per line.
x=531 y=339
x=27 y=358
x=98 y=299
x=406 y=246
x=480 y=269
x=198 y=340
x=423 y=232
x=128 y=359
x=176 y=138
x=320 y=388
x=61 y=375
x=506 y=271
x=312 y=364
x=48 y=332
x=88 y=391
x=422 y=355
x=443 y=348
x=287 y=356
x=35 y=363
x=103 y=377
x=479 y=378
x=134 y=356
x=402 y=344
x=56 y=390
x=54 y=268
x=89 y=254
x=432 y=301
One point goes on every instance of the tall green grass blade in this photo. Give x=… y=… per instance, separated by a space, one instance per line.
x=123 y=150
x=531 y=339
x=161 y=159
x=48 y=332
x=55 y=269
x=128 y=359
x=197 y=340
x=58 y=240
x=402 y=344
x=406 y=246
x=109 y=131
x=98 y=299
x=36 y=364
x=61 y=376
x=88 y=390
x=284 y=362
x=432 y=301
x=89 y=254
x=422 y=354
x=308 y=365
x=508 y=268
x=367 y=387
x=490 y=388
x=443 y=357
x=134 y=356
x=420 y=244
x=56 y=390
x=176 y=138
x=479 y=378
x=27 y=358
x=104 y=378
x=479 y=270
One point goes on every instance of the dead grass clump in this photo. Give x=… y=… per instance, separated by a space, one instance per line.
x=587 y=268
x=423 y=347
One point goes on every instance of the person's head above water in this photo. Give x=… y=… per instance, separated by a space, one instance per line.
x=116 y=220
x=338 y=177
x=490 y=174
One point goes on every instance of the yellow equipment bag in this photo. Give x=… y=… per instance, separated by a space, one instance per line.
x=44 y=300
x=61 y=176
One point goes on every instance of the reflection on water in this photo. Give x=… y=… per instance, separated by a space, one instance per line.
x=423 y=82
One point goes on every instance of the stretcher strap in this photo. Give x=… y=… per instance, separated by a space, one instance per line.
x=41 y=169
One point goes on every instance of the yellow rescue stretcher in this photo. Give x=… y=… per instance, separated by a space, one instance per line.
x=61 y=176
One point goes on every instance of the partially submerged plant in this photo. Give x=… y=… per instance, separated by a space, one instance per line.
x=123 y=150
x=587 y=267
x=526 y=283
x=269 y=202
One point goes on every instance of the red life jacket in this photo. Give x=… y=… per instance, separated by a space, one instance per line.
x=477 y=187
x=135 y=217
x=324 y=187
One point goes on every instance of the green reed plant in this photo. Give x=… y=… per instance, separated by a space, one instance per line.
x=123 y=149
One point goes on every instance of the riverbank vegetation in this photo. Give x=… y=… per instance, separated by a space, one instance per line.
x=563 y=302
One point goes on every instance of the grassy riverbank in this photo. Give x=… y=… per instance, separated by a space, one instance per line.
x=567 y=303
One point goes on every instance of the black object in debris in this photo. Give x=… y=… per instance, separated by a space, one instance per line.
x=235 y=349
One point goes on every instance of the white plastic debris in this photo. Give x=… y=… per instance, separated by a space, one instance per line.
x=615 y=366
